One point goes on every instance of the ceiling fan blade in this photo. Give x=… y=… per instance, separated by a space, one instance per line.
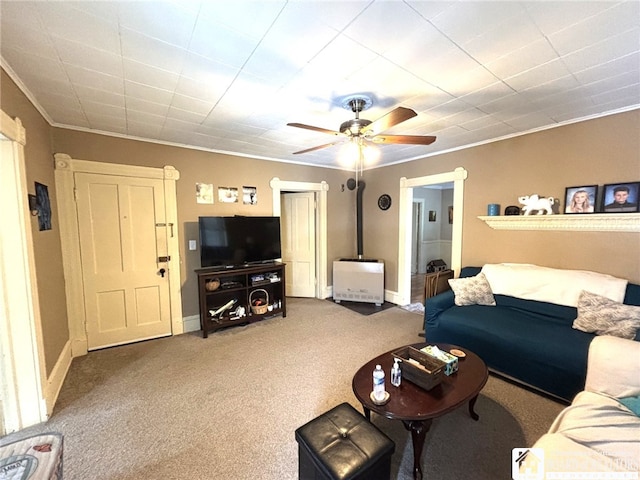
x=394 y=117
x=317 y=129
x=408 y=139
x=318 y=147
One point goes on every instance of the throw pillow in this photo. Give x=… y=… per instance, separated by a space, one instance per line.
x=472 y=291
x=602 y=316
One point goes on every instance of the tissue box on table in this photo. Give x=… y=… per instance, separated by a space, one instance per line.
x=451 y=361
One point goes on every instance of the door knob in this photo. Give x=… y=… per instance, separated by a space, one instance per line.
x=162 y=271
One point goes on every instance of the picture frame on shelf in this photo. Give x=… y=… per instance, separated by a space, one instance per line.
x=620 y=197
x=580 y=199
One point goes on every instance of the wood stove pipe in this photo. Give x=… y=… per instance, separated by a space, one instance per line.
x=359 y=193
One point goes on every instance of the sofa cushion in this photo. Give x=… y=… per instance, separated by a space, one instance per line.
x=472 y=291
x=599 y=315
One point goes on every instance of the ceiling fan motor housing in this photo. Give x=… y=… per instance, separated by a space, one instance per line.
x=352 y=127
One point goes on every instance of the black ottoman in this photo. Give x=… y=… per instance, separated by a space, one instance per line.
x=342 y=444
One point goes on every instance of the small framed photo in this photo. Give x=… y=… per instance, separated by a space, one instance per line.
x=620 y=197
x=581 y=199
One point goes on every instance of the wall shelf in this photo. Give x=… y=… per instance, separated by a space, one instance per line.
x=596 y=222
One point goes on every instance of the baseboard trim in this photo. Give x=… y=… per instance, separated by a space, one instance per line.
x=57 y=377
x=191 y=323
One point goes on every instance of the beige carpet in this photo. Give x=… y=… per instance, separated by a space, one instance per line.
x=226 y=407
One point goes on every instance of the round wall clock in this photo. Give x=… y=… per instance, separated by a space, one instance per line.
x=384 y=202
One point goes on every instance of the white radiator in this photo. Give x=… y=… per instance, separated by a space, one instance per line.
x=358 y=281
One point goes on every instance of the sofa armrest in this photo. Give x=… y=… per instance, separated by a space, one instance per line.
x=613 y=366
x=437 y=304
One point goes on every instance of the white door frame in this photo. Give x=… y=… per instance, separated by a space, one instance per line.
x=321 y=189
x=458 y=176
x=22 y=368
x=65 y=168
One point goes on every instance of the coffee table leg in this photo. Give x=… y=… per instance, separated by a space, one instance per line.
x=472 y=403
x=418 y=431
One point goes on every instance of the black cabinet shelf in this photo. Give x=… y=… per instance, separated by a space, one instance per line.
x=240 y=294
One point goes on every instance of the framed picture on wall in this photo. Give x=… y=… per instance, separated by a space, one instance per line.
x=620 y=197
x=581 y=199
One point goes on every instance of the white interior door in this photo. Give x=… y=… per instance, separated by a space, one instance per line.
x=298 y=225
x=122 y=237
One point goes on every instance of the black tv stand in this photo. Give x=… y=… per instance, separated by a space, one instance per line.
x=240 y=284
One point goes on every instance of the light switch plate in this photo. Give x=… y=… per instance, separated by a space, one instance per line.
x=192 y=245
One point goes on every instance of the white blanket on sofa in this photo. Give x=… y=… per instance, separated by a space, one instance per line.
x=544 y=284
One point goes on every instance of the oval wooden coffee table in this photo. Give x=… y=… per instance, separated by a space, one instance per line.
x=416 y=407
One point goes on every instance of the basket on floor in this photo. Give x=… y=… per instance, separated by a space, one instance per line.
x=259 y=305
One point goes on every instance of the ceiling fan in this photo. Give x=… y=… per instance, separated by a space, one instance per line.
x=360 y=129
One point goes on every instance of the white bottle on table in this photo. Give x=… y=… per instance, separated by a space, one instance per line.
x=378 y=383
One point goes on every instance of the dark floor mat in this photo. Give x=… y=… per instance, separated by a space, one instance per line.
x=364 y=308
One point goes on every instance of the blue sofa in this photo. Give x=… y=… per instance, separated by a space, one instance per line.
x=529 y=341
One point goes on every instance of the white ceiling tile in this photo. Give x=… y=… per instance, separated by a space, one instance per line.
x=217 y=42
x=136 y=106
x=27 y=39
x=99 y=96
x=185 y=115
x=513 y=34
x=554 y=16
x=62 y=20
x=468 y=20
x=102 y=109
x=151 y=94
x=613 y=47
x=166 y=21
x=627 y=64
x=104 y=10
x=191 y=104
x=495 y=92
x=84 y=56
x=150 y=51
x=146 y=74
x=247 y=17
x=530 y=121
x=619 y=18
x=521 y=59
x=430 y=10
x=91 y=78
x=35 y=66
x=144 y=130
x=537 y=76
x=402 y=25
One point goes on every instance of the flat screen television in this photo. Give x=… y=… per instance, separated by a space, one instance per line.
x=236 y=241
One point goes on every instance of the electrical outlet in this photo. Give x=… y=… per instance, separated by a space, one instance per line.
x=192 y=245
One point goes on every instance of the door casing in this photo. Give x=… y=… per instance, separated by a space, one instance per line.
x=321 y=189
x=65 y=168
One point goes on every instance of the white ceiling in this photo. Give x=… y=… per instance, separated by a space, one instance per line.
x=229 y=75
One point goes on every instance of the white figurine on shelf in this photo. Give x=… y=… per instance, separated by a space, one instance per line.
x=535 y=203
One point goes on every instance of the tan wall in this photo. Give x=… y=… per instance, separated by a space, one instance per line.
x=599 y=151
x=220 y=170
x=46 y=244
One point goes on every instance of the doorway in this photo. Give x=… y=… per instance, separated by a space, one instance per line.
x=320 y=191
x=405 y=238
x=24 y=398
